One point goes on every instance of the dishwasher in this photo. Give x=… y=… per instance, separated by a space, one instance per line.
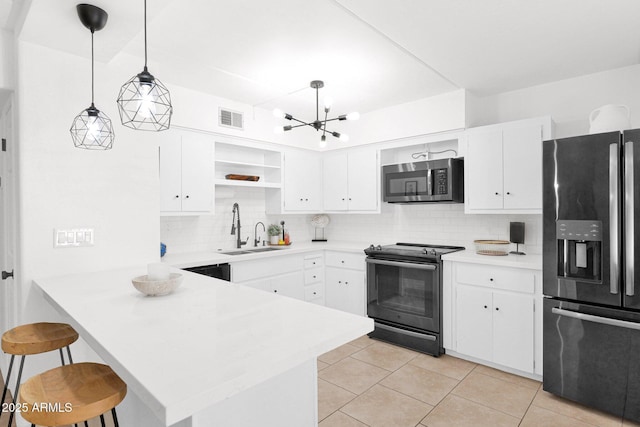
x=219 y=271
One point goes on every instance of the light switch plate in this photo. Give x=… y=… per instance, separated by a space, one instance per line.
x=72 y=237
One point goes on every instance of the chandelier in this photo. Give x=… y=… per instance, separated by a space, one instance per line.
x=317 y=124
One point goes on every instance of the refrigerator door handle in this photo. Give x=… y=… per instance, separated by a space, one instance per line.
x=629 y=219
x=596 y=319
x=614 y=272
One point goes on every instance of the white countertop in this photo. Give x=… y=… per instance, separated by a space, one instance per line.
x=206 y=342
x=195 y=259
x=530 y=261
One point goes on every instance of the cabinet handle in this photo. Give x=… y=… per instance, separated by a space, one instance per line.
x=508 y=193
x=187 y=197
x=314 y=277
x=339 y=281
x=275 y=290
x=497 y=194
x=349 y=198
x=491 y=279
x=314 y=263
x=315 y=293
x=301 y=200
x=346 y=283
x=342 y=262
x=306 y=200
x=177 y=196
x=485 y=306
x=497 y=309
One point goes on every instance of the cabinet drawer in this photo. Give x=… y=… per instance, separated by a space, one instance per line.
x=313 y=261
x=510 y=279
x=314 y=292
x=266 y=267
x=345 y=260
x=313 y=275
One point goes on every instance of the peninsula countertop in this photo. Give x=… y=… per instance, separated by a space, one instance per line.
x=206 y=342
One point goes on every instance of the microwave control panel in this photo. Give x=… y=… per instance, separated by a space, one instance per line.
x=441 y=181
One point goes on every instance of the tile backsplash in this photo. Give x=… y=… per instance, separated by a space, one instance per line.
x=444 y=224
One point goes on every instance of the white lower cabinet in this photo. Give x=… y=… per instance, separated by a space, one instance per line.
x=494 y=317
x=345 y=282
x=331 y=278
x=496 y=326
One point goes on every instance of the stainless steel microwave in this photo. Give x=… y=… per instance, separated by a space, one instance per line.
x=424 y=182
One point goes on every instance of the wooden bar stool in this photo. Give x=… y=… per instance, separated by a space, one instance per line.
x=34 y=338
x=71 y=394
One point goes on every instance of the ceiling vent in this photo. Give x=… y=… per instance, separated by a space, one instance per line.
x=230 y=119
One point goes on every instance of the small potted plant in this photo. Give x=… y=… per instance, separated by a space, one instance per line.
x=274 y=231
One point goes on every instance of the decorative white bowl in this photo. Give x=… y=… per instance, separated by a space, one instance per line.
x=157 y=287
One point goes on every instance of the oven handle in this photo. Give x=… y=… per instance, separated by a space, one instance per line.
x=405 y=332
x=402 y=264
x=596 y=319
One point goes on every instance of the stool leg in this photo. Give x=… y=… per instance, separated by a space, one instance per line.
x=6 y=384
x=69 y=354
x=115 y=417
x=86 y=424
x=102 y=421
x=15 y=396
x=61 y=357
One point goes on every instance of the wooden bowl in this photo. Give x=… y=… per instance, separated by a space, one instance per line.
x=157 y=287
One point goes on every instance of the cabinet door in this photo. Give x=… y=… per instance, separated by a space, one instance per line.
x=345 y=290
x=170 y=173
x=335 y=180
x=484 y=170
x=197 y=173
x=302 y=182
x=474 y=325
x=363 y=180
x=522 y=157
x=290 y=285
x=513 y=331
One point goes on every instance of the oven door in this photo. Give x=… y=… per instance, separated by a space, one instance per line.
x=404 y=293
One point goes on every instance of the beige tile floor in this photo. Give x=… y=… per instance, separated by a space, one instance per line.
x=371 y=383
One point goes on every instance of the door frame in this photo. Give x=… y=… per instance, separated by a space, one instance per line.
x=10 y=294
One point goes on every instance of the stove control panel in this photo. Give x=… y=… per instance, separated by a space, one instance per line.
x=375 y=248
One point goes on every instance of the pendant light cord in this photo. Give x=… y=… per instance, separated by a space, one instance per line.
x=145 y=34
x=92 y=62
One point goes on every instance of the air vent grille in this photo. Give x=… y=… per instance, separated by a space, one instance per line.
x=231 y=119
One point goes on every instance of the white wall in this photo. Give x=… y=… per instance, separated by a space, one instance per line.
x=568 y=101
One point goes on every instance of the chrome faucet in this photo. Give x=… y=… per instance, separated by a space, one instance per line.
x=256 y=239
x=236 y=229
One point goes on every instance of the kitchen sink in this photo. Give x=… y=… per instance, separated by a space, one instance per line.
x=250 y=251
x=263 y=249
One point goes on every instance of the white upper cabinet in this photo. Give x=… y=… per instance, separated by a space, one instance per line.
x=186 y=173
x=351 y=181
x=302 y=182
x=503 y=167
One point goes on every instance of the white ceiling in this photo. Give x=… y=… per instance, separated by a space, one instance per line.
x=370 y=53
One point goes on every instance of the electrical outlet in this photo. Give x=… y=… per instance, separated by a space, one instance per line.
x=73 y=237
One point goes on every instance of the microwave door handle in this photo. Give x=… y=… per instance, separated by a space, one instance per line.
x=614 y=285
x=429 y=182
x=629 y=219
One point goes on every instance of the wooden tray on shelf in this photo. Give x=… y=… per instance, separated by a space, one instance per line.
x=237 y=177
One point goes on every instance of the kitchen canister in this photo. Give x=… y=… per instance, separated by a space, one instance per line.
x=609 y=118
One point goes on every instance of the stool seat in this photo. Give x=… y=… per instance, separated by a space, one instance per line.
x=36 y=338
x=70 y=394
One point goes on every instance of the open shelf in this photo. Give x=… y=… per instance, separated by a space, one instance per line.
x=258 y=184
x=247 y=164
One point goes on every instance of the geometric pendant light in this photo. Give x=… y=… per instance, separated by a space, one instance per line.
x=92 y=129
x=144 y=102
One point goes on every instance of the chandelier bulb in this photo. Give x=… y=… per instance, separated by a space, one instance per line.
x=279 y=130
x=278 y=113
x=328 y=102
x=323 y=142
x=353 y=116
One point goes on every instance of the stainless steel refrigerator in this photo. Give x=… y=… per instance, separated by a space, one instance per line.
x=591 y=198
